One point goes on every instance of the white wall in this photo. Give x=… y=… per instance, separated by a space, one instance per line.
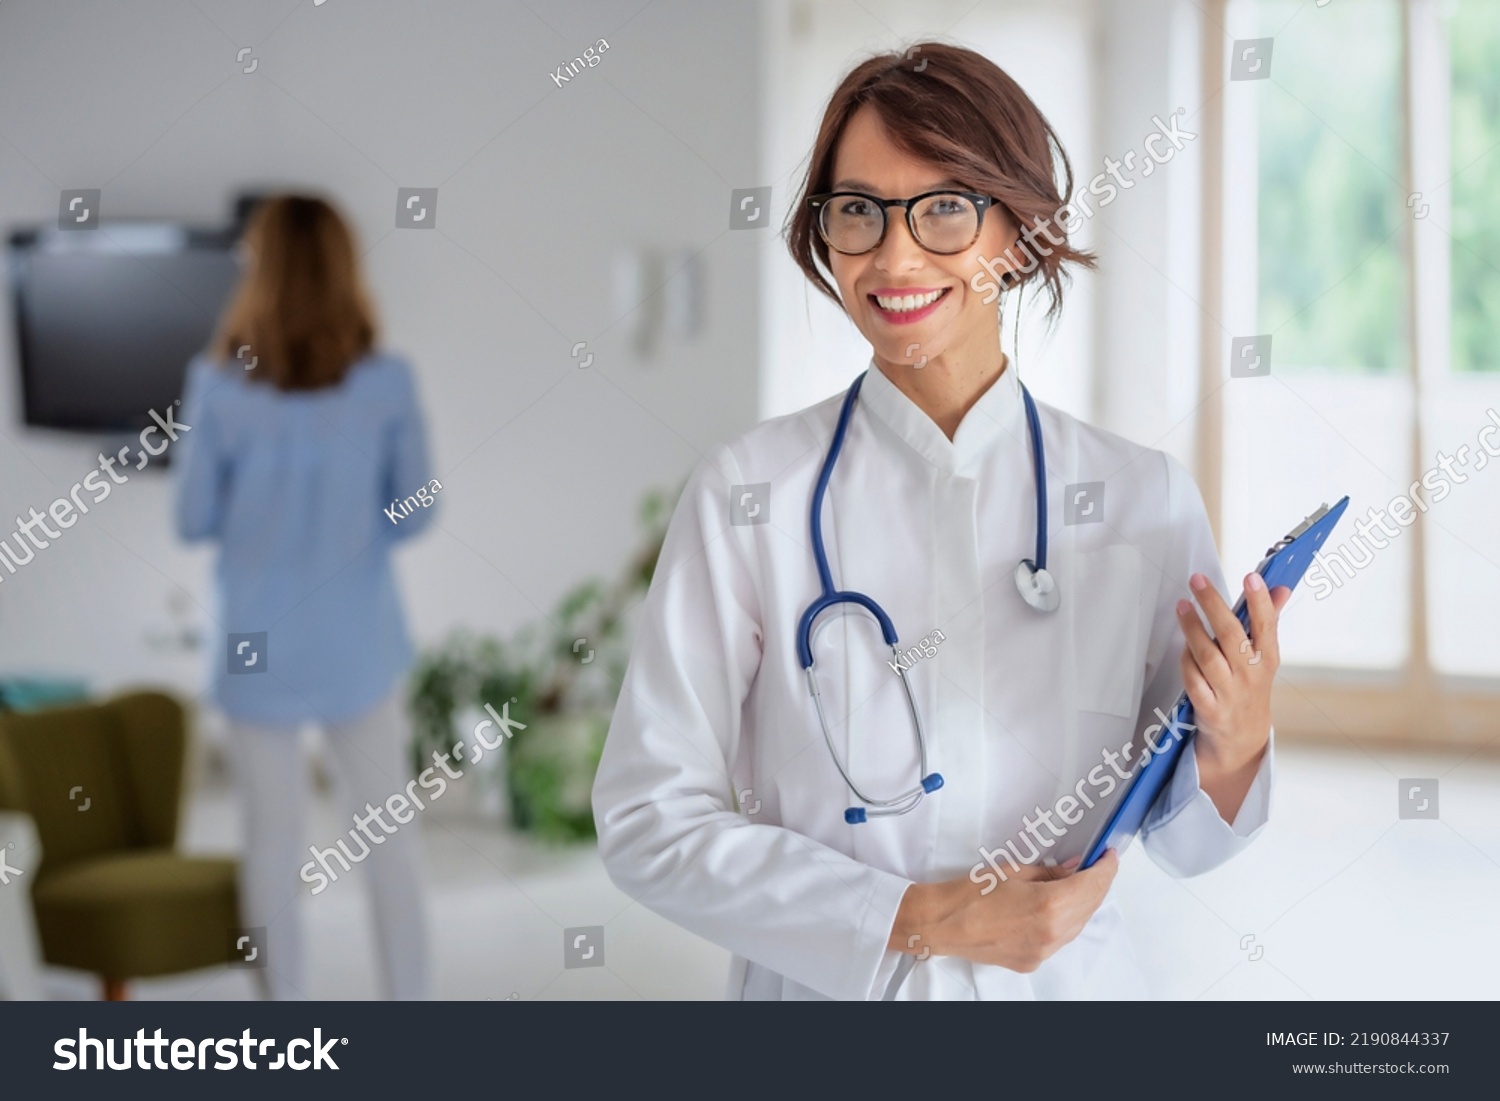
x=540 y=187
x=1149 y=313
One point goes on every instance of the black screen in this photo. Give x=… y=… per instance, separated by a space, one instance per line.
x=107 y=319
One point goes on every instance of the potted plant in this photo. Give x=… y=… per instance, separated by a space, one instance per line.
x=560 y=679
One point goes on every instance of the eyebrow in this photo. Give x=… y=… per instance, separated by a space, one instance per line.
x=861 y=185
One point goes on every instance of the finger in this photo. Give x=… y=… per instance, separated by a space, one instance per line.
x=1097 y=877
x=1205 y=700
x=1263 y=617
x=1093 y=882
x=1279 y=596
x=1226 y=626
x=1031 y=873
x=1081 y=893
x=1204 y=650
x=1059 y=871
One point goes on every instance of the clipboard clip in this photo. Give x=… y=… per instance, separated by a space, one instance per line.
x=1291 y=536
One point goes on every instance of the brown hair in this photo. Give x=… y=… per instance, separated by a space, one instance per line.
x=957 y=110
x=301 y=304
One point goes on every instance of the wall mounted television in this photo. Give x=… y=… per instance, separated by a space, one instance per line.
x=106 y=320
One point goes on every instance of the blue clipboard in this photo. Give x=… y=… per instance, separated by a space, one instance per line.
x=1284 y=564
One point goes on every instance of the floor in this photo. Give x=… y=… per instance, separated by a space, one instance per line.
x=1339 y=898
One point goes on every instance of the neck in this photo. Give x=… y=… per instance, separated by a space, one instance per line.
x=947 y=386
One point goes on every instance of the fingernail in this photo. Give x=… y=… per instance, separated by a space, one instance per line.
x=1073 y=862
x=1255 y=582
x=1198 y=582
x=1184 y=607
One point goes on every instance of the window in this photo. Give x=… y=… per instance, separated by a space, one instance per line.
x=1457 y=86
x=1319 y=266
x=1362 y=234
x=1474 y=37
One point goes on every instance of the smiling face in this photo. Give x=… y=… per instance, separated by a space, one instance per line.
x=899 y=294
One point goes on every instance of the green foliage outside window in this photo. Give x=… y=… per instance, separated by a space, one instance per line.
x=1332 y=283
x=1474 y=45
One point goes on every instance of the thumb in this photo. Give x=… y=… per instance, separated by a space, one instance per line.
x=1279 y=596
x=1099 y=875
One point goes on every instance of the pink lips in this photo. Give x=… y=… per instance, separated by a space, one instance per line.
x=906 y=317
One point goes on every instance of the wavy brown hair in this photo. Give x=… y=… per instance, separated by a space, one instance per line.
x=960 y=112
x=301 y=305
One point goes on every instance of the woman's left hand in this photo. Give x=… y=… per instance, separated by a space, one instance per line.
x=1228 y=677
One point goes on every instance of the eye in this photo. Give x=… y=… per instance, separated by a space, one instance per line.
x=947 y=206
x=853 y=206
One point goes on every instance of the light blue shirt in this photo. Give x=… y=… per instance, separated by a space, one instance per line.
x=294 y=486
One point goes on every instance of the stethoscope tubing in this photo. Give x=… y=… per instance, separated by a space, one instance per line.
x=829 y=596
x=1039 y=476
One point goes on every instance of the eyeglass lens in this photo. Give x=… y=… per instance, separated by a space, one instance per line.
x=941 y=223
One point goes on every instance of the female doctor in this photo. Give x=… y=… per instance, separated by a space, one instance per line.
x=896 y=642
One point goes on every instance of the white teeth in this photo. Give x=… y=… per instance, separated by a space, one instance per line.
x=904 y=302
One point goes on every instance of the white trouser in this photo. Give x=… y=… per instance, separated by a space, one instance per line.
x=369 y=755
x=20 y=954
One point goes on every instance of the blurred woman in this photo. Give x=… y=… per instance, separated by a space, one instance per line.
x=303 y=437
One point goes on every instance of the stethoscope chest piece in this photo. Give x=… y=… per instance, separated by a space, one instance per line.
x=1037 y=587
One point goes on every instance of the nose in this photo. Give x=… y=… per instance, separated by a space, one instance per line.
x=899 y=251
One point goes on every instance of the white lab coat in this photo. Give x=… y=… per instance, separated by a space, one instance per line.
x=717 y=801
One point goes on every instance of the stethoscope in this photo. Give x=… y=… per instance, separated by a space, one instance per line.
x=1037 y=587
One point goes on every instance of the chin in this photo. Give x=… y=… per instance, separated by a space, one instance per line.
x=897 y=352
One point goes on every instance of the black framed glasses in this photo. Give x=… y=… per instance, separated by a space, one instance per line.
x=944 y=222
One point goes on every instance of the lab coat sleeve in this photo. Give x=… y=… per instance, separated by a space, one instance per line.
x=669 y=829
x=1184 y=833
x=203 y=469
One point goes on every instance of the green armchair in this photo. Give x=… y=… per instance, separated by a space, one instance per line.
x=103 y=783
